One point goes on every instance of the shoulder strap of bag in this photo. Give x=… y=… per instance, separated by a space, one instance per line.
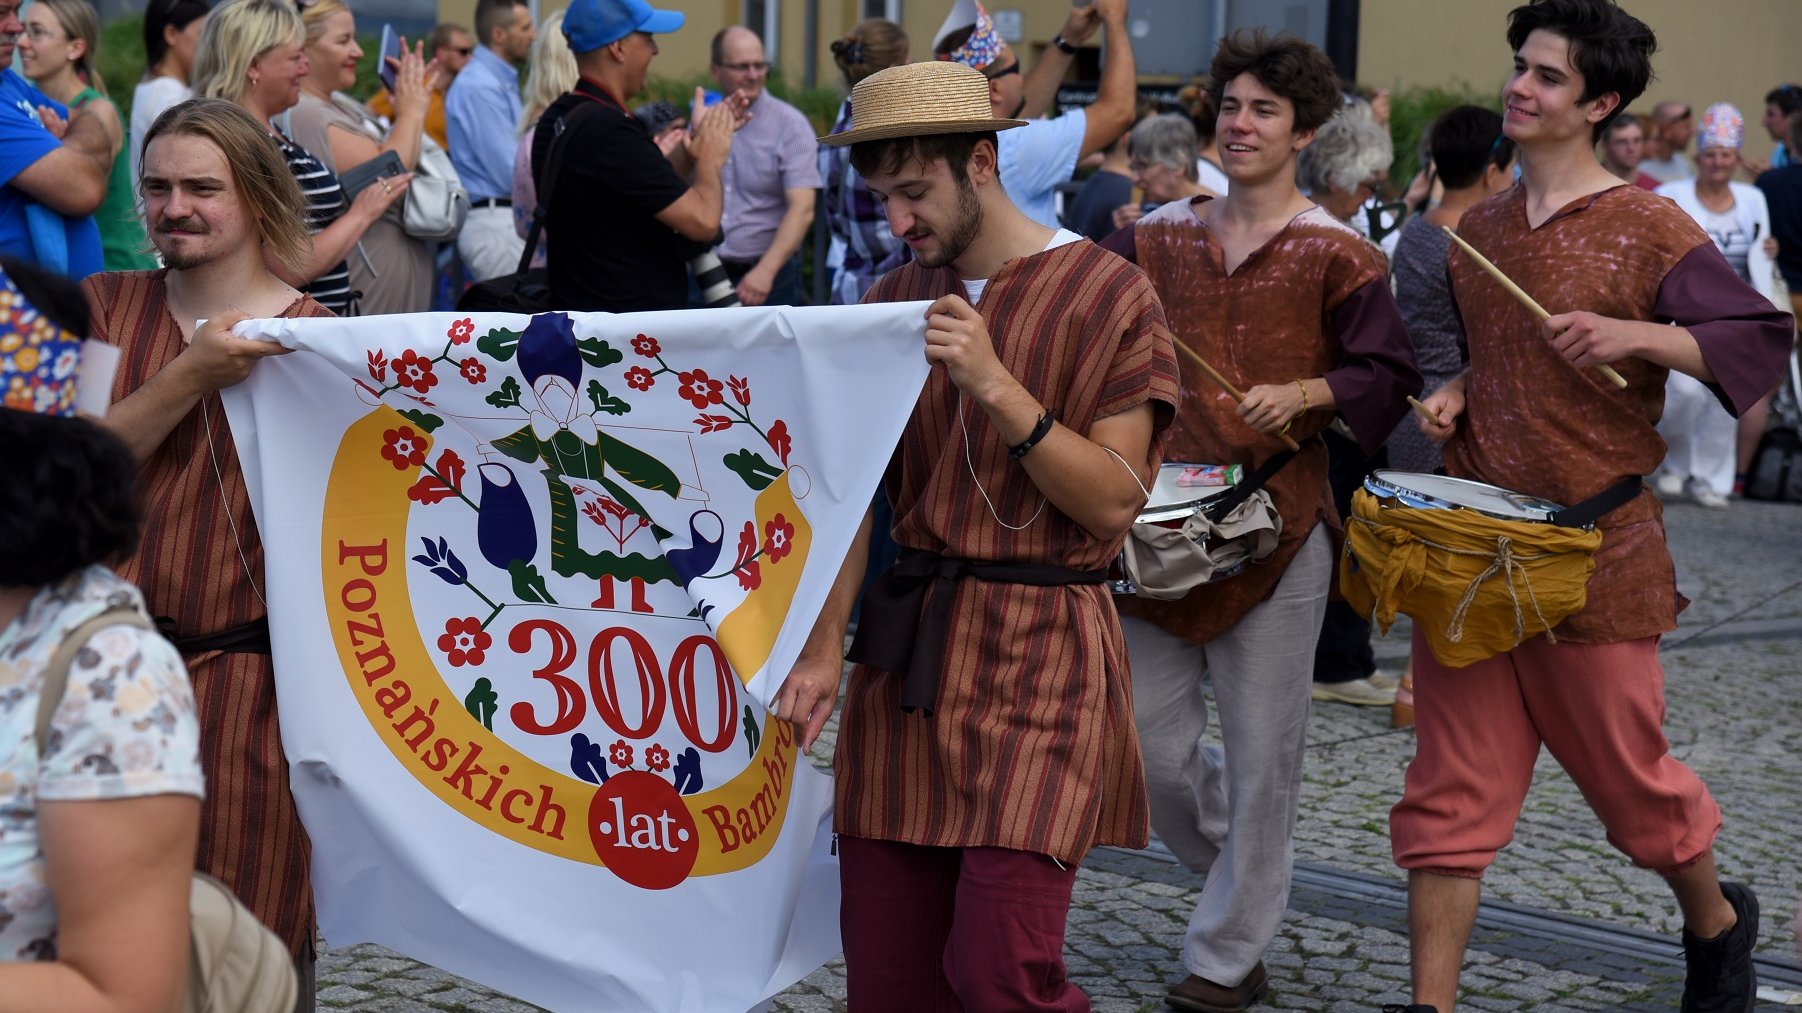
x=1217 y=510
x=56 y=674
x=1582 y=515
x=553 y=167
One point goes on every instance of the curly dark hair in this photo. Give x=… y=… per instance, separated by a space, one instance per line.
x=1286 y=65
x=1609 y=47
x=69 y=497
x=885 y=156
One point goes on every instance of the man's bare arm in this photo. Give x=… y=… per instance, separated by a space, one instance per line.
x=808 y=694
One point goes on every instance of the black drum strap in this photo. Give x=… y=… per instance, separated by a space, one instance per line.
x=1582 y=515
x=1217 y=510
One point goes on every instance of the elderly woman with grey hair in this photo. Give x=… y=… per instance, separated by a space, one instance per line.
x=1163 y=164
x=1345 y=164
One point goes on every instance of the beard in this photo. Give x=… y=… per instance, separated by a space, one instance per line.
x=178 y=258
x=962 y=230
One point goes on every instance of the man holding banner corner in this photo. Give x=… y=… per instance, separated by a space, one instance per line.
x=987 y=740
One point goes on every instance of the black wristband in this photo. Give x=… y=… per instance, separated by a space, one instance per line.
x=1019 y=450
x=1063 y=44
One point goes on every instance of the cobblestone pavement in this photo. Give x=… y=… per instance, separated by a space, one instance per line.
x=1567 y=924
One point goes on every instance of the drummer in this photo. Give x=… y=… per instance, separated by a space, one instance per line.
x=1616 y=267
x=1293 y=307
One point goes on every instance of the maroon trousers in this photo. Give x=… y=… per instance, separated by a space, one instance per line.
x=945 y=930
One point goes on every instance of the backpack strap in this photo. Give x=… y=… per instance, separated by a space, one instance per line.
x=56 y=673
x=553 y=167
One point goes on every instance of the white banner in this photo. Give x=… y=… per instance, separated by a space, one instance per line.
x=529 y=581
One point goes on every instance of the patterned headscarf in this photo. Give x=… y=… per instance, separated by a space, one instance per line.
x=1722 y=127
x=983 y=47
x=38 y=359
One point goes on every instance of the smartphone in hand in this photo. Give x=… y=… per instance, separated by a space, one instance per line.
x=390 y=51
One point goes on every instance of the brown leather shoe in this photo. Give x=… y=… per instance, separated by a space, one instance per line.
x=1198 y=993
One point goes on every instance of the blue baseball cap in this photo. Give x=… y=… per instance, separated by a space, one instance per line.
x=591 y=24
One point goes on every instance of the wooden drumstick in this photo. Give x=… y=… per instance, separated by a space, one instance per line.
x=1226 y=385
x=1525 y=299
x=1423 y=411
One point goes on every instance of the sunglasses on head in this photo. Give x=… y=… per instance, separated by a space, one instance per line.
x=1012 y=68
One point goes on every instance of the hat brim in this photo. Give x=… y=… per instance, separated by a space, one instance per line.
x=662 y=22
x=888 y=130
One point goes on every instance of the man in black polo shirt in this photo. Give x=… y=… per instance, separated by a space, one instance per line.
x=624 y=218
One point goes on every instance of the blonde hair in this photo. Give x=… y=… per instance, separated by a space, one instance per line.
x=236 y=33
x=553 y=72
x=315 y=14
x=868 y=47
x=80 y=21
x=259 y=172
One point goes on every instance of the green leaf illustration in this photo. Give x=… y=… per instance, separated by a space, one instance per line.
x=424 y=420
x=528 y=584
x=638 y=467
x=507 y=396
x=521 y=446
x=598 y=353
x=757 y=472
x=605 y=402
x=499 y=344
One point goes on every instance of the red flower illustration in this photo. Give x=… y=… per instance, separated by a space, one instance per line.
x=620 y=753
x=779 y=440
x=464 y=641
x=741 y=389
x=404 y=447
x=778 y=537
x=473 y=370
x=639 y=378
x=378 y=366
x=657 y=757
x=415 y=371
x=700 y=389
x=750 y=576
x=646 y=346
x=461 y=331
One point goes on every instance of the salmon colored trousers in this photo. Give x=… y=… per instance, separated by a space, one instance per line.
x=1599 y=708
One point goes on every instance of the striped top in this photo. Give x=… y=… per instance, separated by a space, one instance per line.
x=325 y=205
x=188 y=563
x=1031 y=745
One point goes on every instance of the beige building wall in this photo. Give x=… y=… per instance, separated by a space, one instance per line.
x=684 y=53
x=1709 y=50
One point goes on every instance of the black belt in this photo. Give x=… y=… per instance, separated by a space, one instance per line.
x=492 y=202
x=902 y=630
x=1582 y=515
x=250 y=638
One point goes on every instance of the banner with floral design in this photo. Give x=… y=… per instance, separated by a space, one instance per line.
x=532 y=582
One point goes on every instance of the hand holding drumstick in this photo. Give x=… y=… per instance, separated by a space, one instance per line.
x=1583 y=338
x=1226 y=385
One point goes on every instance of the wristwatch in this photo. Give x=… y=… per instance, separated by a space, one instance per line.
x=1063 y=44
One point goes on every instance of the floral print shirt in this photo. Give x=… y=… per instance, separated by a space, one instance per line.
x=126 y=728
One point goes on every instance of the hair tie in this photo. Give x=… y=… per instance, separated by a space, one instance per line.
x=855 y=52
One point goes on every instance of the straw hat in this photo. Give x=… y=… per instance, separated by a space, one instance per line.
x=920 y=99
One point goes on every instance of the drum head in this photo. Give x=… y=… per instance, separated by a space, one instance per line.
x=1439 y=492
x=1170 y=501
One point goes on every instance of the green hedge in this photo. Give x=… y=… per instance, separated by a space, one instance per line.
x=1412 y=110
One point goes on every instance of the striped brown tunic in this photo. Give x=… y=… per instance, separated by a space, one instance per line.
x=1031 y=744
x=195 y=564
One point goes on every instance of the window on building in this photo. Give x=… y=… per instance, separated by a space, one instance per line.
x=889 y=10
x=760 y=15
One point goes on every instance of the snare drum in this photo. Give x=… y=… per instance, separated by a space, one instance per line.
x=1170 y=505
x=1438 y=492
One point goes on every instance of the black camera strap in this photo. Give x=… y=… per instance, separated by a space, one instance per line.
x=552 y=169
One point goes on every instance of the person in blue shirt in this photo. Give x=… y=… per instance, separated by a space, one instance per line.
x=480 y=109
x=54 y=168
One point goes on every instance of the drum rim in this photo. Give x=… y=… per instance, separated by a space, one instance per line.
x=1544 y=510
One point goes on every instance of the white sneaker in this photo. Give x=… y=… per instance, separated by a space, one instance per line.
x=1384 y=680
x=1668 y=485
x=1358 y=692
x=1707 y=497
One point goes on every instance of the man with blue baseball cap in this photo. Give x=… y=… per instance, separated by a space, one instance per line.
x=653 y=210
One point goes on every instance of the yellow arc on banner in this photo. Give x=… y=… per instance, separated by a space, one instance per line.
x=470 y=768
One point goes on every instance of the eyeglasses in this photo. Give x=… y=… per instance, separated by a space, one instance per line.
x=754 y=67
x=461 y=50
x=1012 y=68
x=38 y=33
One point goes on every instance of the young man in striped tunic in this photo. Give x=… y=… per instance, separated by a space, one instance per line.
x=216 y=194
x=987 y=740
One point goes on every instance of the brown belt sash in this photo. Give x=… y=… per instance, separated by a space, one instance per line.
x=250 y=638
x=905 y=615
